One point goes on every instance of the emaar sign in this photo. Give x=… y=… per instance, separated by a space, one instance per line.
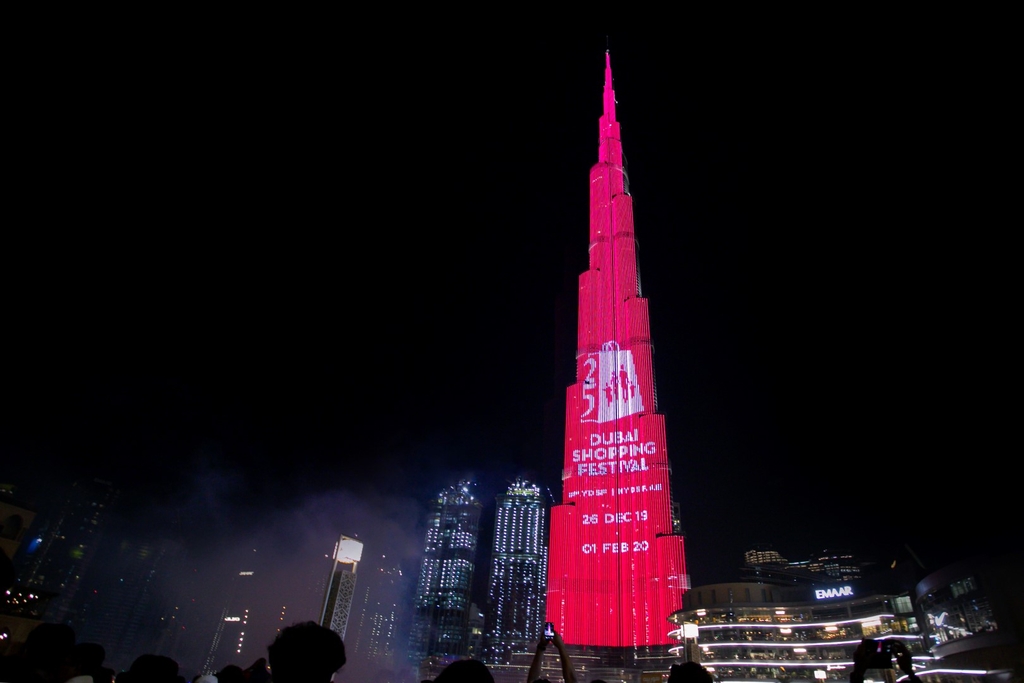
x=824 y=593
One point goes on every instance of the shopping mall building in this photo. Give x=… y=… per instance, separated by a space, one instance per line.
x=962 y=624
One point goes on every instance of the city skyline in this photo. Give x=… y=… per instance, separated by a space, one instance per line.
x=793 y=214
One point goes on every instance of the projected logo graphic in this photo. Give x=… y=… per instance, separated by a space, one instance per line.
x=610 y=388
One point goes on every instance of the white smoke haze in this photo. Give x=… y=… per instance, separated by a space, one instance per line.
x=223 y=531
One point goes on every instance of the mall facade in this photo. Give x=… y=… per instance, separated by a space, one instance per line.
x=961 y=624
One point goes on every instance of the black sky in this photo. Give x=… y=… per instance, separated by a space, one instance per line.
x=272 y=278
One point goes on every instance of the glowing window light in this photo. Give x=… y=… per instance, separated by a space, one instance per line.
x=780 y=644
x=771 y=664
x=831 y=628
x=866 y=621
x=799 y=649
x=966 y=672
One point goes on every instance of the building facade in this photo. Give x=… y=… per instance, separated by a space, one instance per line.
x=617 y=567
x=341 y=585
x=759 y=631
x=375 y=638
x=442 y=604
x=764 y=565
x=518 y=578
x=127 y=607
x=961 y=623
x=59 y=555
x=973 y=616
x=21 y=608
x=228 y=644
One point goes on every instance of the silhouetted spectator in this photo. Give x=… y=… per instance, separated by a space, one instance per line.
x=465 y=671
x=689 y=672
x=43 y=657
x=86 y=660
x=258 y=672
x=568 y=670
x=904 y=660
x=862 y=661
x=149 y=668
x=232 y=673
x=306 y=653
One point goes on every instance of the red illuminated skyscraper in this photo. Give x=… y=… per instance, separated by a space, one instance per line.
x=617 y=568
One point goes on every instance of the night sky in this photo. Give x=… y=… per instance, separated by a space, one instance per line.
x=324 y=284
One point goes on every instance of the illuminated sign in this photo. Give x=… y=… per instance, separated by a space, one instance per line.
x=232 y=618
x=616 y=569
x=823 y=593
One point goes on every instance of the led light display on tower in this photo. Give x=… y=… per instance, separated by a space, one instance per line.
x=616 y=568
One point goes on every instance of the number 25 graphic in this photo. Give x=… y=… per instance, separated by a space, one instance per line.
x=589 y=384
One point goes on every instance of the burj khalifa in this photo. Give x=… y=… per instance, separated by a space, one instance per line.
x=617 y=567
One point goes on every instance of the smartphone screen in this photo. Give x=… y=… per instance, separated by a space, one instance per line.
x=549 y=631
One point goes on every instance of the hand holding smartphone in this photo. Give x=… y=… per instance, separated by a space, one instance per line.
x=549 y=631
x=878 y=653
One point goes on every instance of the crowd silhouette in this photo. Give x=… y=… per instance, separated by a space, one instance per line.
x=304 y=652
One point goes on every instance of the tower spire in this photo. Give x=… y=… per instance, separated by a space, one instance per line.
x=610 y=147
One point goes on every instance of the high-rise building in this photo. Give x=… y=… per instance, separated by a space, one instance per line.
x=126 y=606
x=374 y=642
x=763 y=553
x=341 y=586
x=228 y=645
x=442 y=603
x=617 y=567
x=58 y=556
x=519 y=565
x=828 y=566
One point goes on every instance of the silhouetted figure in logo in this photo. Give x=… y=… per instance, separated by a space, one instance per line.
x=306 y=653
x=609 y=392
x=625 y=388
